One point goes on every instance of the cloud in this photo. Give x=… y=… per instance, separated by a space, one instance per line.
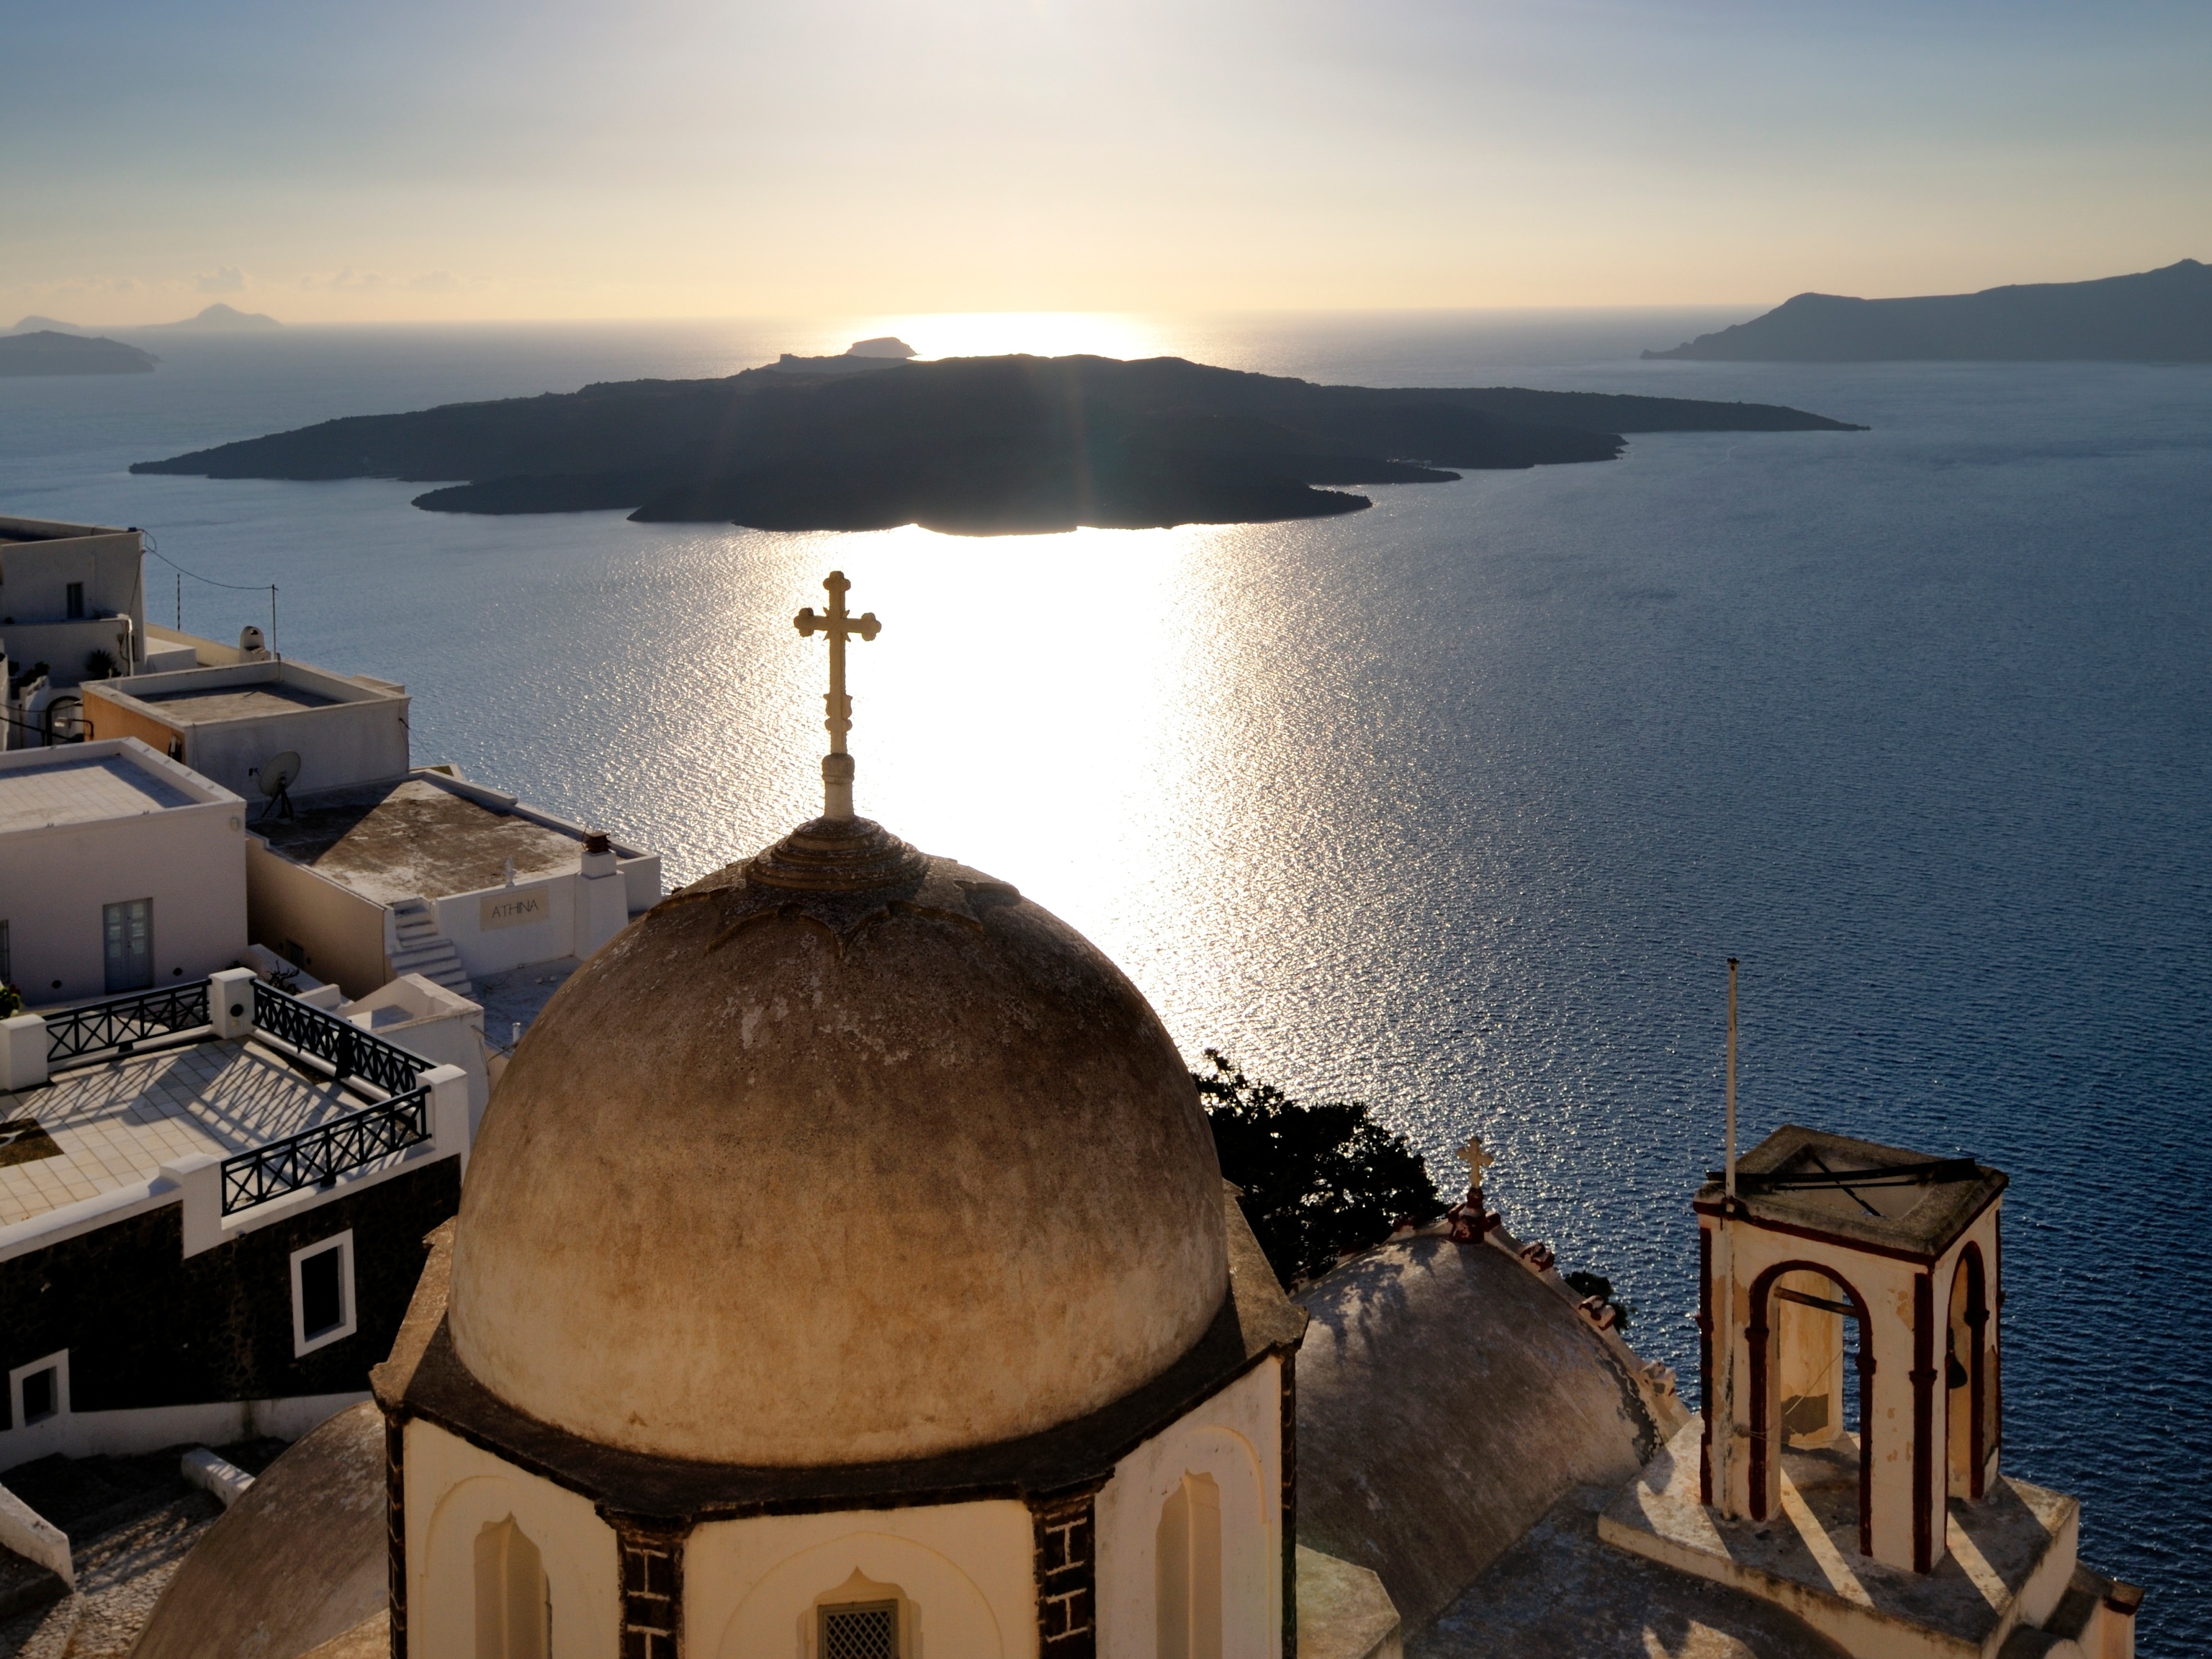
x=347 y=280
x=229 y=279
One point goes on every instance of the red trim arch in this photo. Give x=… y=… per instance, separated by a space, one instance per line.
x=1708 y=1381
x=1762 y=1293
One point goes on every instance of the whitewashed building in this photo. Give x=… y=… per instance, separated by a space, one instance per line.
x=212 y=1202
x=120 y=870
x=229 y=721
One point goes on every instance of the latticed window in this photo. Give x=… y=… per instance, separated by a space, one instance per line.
x=861 y=1630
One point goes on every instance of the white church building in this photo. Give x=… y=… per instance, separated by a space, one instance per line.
x=845 y=1273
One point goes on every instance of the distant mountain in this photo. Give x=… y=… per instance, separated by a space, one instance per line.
x=215 y=319
x=2154 y=316
x=36 y=325
x=975 y=445
x=49 y=353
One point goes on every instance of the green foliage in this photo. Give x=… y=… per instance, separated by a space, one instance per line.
x=1321 y=1180
x=98 y=664
x=11 y=1002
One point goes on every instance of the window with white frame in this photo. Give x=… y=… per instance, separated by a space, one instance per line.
x=322 y=1294
x=40 y=1390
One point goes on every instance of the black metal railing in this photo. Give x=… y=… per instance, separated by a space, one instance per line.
x=121 y=1023
x=348 y=1050
x=319 y=1155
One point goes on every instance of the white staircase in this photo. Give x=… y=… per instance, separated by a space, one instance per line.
x=424 y=950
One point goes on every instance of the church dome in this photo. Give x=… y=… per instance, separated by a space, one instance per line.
x=842 y=1155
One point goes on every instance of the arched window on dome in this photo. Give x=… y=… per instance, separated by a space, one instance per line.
x=862 y=1618
x=514 y=1603
x=1188 y=1557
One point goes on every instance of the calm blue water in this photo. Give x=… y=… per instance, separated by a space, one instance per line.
x=1455 y=804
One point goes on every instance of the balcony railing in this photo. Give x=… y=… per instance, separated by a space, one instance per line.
x=342 y=1045
x=365 y=1064
x=319 y=1155
x=120 y=1024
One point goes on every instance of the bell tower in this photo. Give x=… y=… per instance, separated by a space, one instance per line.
x=1847 y=1303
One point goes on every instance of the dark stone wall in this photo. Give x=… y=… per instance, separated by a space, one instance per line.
x=145 y=1327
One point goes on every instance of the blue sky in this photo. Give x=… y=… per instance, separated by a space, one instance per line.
x=669 y=158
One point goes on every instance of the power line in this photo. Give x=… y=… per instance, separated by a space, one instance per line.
x=153 y=551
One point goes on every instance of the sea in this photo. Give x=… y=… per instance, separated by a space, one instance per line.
x=1456 y=806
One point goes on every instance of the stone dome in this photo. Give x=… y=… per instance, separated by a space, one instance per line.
x=843 y=1155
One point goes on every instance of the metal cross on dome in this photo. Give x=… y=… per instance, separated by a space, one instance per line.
x=1476 y=1160
x=838 y=625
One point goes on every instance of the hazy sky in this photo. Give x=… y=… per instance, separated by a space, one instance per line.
x=671 y=158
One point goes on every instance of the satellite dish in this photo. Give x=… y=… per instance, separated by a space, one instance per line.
x=277 y=778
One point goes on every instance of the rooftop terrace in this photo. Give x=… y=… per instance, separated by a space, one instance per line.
x=49 y=787
x=419 y=837
x=105 y=1126
x=238 y=701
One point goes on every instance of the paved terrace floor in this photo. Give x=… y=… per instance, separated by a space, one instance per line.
x=398 y=840
x=113 y=1124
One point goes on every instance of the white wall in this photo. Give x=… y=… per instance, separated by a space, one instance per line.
x=425 y=1018
x=360 y=737
x=155 y=1428
x=34 y=575
x=454 y=1492
x=63 y=646
x=1236 y=1438
x=491 y=950
x=965 y=1576
x=342 y=931
x=190 y=860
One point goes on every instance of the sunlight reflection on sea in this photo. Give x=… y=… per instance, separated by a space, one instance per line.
x=1454 y=805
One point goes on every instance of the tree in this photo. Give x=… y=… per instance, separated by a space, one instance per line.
x=1320 y=1181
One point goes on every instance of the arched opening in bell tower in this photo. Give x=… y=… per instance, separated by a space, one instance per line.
x=1812 y=1371
x=1968 y=1369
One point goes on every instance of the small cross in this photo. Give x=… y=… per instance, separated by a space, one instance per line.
x=839 y=625
x=1476 y=1160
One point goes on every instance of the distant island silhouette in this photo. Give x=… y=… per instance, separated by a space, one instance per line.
x=975 y=445
x=35 y=323
x=217 y=319
x=2153 y=316
x=44 y=351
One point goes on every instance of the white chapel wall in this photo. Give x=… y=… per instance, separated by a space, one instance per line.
x=965 y=1574
x=454 y=1491
x=1235 y=1440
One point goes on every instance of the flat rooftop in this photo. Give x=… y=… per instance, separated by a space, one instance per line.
x=234 y=702
x=113 y=1124
x=1802 y=1177
x=83 y=789
x=391 y=842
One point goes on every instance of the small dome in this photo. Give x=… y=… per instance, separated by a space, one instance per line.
x=842 y=1155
